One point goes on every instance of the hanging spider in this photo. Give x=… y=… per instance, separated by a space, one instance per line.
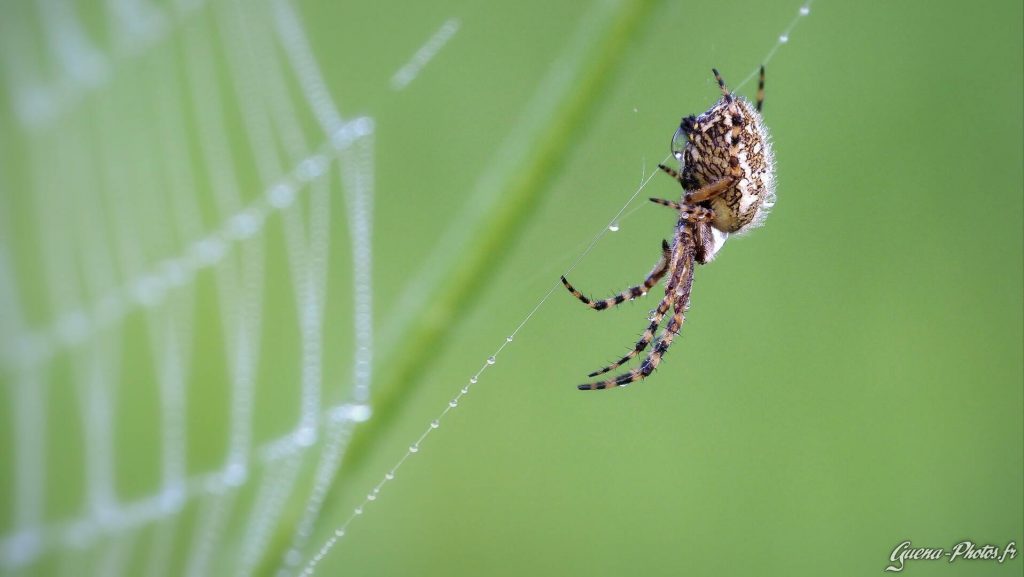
x=727 y=172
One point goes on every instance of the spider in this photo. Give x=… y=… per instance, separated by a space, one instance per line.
x=727 y=173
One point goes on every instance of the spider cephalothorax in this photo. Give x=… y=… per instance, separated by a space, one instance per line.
x=727 y=173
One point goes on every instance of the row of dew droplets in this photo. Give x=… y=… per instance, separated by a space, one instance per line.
x=613 y=226
x=452 y=404
x=783 y=38
x=412 y=450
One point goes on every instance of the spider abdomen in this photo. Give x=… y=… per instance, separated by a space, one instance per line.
x=730 y=141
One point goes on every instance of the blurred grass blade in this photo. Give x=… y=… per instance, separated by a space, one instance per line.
x=557 y=117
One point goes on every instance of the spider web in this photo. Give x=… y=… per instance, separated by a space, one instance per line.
x=127 y=247
x=181 y=177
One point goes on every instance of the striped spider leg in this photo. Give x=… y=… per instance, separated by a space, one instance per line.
x=727 y=173
x=680 y=262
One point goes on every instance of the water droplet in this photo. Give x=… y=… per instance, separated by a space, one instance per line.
x=149 y=290
x=207 y=251
x=473 y=380
x=235 y=474
x=311 y=168
x=359 y=413
x=614 y=227
x=24 y=543
x=243 y=225
x=306 y=436
x=358 y=511
x=339 y=533
x=509 y=338
x=435 y=424
x=390 y=476
x=491 y=360
x=175 y=273
x=680 y=141
x=371 y=497
x=414 y=448
x=172 y=498
x=805 y=10
x=453 y=403
x=784 y=38
x=465 y=390
x=281 y=195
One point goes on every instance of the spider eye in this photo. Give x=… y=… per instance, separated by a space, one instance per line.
x=679 y=141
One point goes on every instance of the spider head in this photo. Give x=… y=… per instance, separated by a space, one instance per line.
x=688 y=124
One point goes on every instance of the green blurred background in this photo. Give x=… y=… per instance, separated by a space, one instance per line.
x=849 y=376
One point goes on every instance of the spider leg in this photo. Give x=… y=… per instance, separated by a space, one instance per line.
x=671 y=172
x=678 y=294
x=690 y=214
x=632 y=292
x=645 y=339
x=703 y=193
x=653 y=358
x=709 y=191
x=668 y=203
x=760 y=90
x=721 y=84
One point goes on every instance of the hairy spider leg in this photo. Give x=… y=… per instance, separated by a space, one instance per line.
x=666 y=202
x=721 y=84
x=645 y=338
x=656 y=317
x=630 y=293
x=706 y=192
x=664 y=342
x=678 y=294
x=671 y=172
x=760 y=90
x=688 y=214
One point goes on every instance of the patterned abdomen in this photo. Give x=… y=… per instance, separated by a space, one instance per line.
x=730 y=140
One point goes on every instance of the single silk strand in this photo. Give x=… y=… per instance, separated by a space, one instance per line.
x=414 y=448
